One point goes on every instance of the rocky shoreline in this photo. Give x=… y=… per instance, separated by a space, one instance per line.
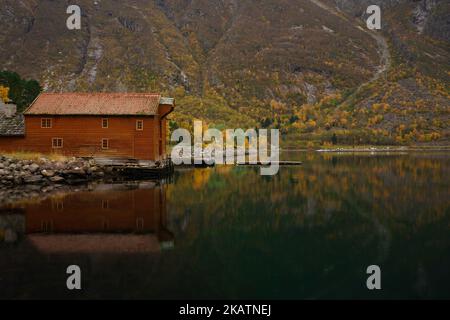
x=16 y=172
x=27 y=179
x=72 y=171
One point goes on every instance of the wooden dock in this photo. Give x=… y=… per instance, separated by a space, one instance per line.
x=203 y=164
x=138 y=169
x=281 y=163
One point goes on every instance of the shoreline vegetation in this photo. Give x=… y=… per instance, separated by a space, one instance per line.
x=369 y=148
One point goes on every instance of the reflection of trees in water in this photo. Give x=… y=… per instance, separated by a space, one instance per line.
x=325 y=221
x=411 y=189
x=309 y=232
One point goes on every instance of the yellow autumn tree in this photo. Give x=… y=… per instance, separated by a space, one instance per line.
x=4 y=91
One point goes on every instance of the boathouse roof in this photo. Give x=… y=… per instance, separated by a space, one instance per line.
x=105 y=104
x=12 y=126
x=11 y=123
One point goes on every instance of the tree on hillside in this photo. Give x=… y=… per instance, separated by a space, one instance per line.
x=21 y=91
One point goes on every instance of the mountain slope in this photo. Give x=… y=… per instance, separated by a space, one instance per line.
x=307 y=67
x=409 y=104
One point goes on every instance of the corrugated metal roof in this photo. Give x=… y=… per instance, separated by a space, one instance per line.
x=95 y=104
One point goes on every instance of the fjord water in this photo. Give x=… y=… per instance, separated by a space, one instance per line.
x=309 y=232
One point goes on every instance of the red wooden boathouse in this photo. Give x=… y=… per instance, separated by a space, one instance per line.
x=113 y=125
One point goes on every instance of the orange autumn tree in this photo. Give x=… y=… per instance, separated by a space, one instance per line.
x=4 y=91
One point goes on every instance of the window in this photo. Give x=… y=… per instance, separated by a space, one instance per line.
x=57 y=143
x=105 y=123
x=139 y=125
x=46 y=123
x=105 y=143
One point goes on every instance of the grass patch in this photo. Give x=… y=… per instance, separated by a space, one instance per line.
x=34 y=156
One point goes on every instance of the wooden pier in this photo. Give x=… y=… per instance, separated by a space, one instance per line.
x=138 y=169
x=281 y=163
x=204 y=164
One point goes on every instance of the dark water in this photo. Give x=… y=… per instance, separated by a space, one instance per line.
x=308 y=233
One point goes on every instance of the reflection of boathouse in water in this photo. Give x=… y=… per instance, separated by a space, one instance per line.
x=107 y=219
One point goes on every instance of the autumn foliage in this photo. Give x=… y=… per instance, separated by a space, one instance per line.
x=4 y=91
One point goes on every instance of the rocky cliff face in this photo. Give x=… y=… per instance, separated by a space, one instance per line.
x=434 y=18
x=430 y=17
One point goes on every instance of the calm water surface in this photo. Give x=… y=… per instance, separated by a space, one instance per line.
x=308 y=233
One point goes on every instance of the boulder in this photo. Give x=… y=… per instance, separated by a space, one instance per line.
x=59 y=166
x=33 y=179
x=48 y=173
x=76 y=171
x=56 y=179
x=33 y=168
